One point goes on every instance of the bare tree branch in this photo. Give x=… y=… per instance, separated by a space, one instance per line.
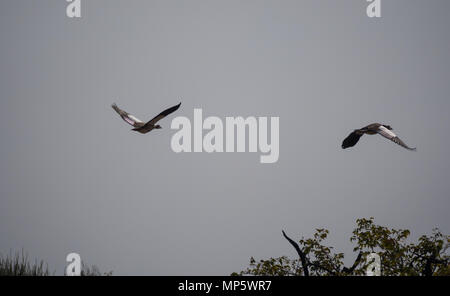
x=300 y=254
x=333 y=273
x=351 y=269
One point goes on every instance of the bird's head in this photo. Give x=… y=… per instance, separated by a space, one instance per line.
x=158 y=126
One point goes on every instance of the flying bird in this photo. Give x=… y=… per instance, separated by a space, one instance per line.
x=373 y=129
x=139 y=125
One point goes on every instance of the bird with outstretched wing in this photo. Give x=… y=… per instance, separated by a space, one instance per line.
x=139 y=125
x=373 y=129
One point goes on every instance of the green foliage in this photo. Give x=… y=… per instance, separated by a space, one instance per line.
x=281 y=266
x=398 y=257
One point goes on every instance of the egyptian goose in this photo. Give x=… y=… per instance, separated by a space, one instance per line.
x=373 y=129
x=141 y=126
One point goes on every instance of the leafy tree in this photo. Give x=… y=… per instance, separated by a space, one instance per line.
x=428 y=257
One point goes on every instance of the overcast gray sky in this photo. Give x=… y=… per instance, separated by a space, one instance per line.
x=73 y=177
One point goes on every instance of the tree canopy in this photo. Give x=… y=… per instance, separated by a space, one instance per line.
x=398 y=257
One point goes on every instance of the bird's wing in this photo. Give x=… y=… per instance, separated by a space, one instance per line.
x=351 y=140
x=388 y=134
x=163 y=114
x=130 y=119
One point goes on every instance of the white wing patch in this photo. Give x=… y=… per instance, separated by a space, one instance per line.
x=128 y=120
x=386 y=133
x=134 y=118
x=131 y=119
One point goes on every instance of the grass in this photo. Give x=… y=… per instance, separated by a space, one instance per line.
x=18 y=264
